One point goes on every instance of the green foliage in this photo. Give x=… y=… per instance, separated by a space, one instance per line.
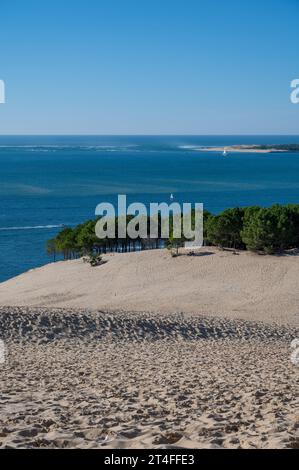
x=65 y=243
x=269 y=230
x=206 y=216
x=224 y=230
x=283 y=147
x=173 y=245
x=85 y=238
x=94 y=260
x=51 y=248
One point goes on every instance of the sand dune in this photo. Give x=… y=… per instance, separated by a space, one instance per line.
x=75 y=378
x=216 y=283
x=149 y=351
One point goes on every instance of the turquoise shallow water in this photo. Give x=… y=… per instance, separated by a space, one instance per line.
x=46 y=182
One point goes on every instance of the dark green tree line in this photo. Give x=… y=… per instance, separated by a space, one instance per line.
x=269 y=230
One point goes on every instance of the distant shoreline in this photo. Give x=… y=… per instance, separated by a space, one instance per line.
x=252 y=148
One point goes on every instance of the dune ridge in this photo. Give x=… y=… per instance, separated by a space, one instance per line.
x=214 y=283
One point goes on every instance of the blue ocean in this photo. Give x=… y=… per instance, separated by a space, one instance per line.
x=48 y=182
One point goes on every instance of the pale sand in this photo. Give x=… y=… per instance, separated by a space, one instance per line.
x=199 y=379
x=216 y=283
x=87 y=379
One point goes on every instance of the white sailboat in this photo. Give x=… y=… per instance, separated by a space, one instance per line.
x=225 y=153
x=171 y=197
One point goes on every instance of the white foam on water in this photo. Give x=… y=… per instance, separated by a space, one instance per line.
x=35 y=227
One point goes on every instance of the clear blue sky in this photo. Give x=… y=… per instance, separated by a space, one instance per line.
x=149 y=66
